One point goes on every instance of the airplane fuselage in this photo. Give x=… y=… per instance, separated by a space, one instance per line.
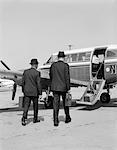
x=80 y=62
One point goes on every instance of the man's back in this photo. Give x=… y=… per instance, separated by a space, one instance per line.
x=59 y=75
x=31 y=82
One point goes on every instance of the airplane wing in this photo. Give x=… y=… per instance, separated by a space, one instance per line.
x=8 y=74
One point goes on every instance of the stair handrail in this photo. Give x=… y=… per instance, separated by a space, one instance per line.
x=98 y=70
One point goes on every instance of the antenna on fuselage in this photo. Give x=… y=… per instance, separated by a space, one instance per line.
x=70 y=46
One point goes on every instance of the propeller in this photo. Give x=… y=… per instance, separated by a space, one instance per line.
x=14 y=91
x=14 y=88
x=15 y=78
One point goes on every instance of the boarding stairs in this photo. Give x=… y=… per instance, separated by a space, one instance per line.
x=92 y=93
x=93 y=90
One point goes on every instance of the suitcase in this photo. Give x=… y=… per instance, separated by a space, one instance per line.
x=68 y=100
x=21 y=102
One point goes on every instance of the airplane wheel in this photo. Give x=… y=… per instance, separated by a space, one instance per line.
x=49 y=102
x=105 y=97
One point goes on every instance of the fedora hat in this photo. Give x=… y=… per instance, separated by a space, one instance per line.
x=34 y=61
x=61 y=54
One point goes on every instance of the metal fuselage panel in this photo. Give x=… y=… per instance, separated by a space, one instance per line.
x=110 y=71
x=80 y=72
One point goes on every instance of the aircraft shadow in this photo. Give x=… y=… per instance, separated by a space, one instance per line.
x=29 y=120
x=13 y=109
x=40 y=106
x=112 y=103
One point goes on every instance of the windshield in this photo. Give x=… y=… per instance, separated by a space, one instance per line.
x=52 y=59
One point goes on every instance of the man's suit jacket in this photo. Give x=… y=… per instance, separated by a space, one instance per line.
x=31 y=83
x=60 y=76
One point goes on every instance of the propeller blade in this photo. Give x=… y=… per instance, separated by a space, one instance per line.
x=5 y=65
x=14 y=91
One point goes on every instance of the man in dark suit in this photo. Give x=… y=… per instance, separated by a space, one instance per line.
x=60 y=85
x=31 y=88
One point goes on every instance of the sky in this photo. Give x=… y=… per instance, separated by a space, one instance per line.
x=37 y=28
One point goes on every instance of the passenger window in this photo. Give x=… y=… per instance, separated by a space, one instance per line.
x=112 y=53
x=74 y=58
x=67 y=58
x=81 y=57
x=84 y=56
x=88 y=55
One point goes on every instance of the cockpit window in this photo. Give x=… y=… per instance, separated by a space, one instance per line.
x=49 y=61
x=112 y=53
x=52 y=59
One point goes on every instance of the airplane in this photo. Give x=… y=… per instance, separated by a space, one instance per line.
x=81 y=73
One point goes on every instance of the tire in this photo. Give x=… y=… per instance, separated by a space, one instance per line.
x=105 y=97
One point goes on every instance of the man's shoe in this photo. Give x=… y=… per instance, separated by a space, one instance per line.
x=24 y=121
x=36 y=120
x=56 y=124
x=68 y=120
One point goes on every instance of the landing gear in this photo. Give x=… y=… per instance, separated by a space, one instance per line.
x=48 y=102
x=105 y=97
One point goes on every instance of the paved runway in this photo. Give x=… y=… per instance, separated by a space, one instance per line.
x=92 y=128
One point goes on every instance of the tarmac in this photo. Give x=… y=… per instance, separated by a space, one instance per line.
x=91 y=128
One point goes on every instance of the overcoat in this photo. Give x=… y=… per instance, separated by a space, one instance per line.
x=31 y=85
x=60 y=76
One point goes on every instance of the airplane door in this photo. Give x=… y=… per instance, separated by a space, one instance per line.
x=98 y=63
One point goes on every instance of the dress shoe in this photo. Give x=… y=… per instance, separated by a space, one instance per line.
x=68 y=120
x=56 y=124
x=36 y=120
x=24 y=121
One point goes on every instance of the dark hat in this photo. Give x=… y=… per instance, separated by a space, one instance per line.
x=61 y=54
x=34 y=61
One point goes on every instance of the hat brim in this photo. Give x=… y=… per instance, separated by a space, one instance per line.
x=34 y=63
x=61 y=56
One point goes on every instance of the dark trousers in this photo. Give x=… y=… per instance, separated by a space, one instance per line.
x=27 y=102
x=56 y=105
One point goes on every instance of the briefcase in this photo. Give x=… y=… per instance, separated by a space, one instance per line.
x=68 y=99
x=21 y=101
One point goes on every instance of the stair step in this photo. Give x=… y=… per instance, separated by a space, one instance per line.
x=91 y=96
